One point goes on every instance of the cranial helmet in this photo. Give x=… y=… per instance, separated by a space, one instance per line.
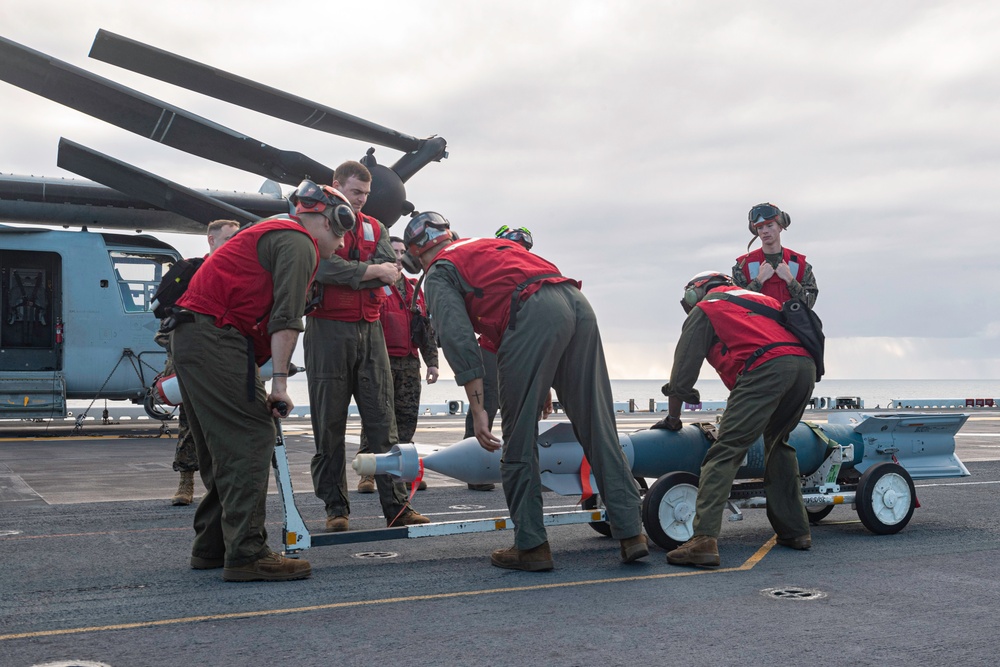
x=312 y=198
x=764 y=213
x=424 y=231
x=520 y=235
x=698 y=287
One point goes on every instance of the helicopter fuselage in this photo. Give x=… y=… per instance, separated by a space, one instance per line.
x=75 y=317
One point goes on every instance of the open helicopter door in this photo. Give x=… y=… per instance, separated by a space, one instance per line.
x=32 y=384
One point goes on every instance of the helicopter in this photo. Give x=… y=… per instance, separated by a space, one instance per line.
x=76 y=317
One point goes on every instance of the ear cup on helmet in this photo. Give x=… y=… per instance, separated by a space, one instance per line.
x=343 y=219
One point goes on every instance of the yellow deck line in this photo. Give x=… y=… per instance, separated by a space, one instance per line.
x=747 y=565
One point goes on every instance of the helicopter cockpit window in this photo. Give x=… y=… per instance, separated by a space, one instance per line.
x=138 y=276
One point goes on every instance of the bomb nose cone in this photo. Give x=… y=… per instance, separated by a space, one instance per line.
x=466 y=461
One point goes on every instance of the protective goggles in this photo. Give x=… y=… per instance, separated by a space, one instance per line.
x=762 y=213
x=520 y=235
x=311 y=198
x=424 y=228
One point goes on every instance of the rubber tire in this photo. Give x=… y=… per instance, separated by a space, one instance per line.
x=817 y=514
x=654 y=499
x=593 y=502
x=871 y=498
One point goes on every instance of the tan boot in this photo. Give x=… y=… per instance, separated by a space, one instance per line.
x=537 y=559
x=272 y=567
x=407 y=518
x=185 y=490
x=337 y=524
x=699 y=550
x=802 y=542
x=367 y=484
x=634 y=548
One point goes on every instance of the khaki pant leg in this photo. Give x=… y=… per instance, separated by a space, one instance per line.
x=330 y=350
x=373 y=393
x=527 y=363
x=749 y=407
x=584 y=390
x=785 y=508
x=237 y=436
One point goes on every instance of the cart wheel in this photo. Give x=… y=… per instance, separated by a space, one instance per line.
x=594 y=502
x=885 y=498
x=668 y=509
x=817 y=514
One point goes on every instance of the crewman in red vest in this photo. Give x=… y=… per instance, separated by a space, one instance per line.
x=346 y=356
x=404 y=341
x=243 y=307
x=777 y=272
x=521 y=235
x=546 y=336
x=770 y=378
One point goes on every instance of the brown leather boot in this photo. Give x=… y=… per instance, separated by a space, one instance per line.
x=802 y=542
x=336 y=524
x=185 y=489
x=634 y=548
x=699 y=550
x=482 y=487
x=272 y=567
x=407 y=518
x=537 y=559
x=367 y=484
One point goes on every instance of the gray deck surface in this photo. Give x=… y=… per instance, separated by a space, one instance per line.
x=96 y=569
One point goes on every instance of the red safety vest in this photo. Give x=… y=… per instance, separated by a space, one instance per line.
x=340 y=302
x=494 y=277
x=742 y=332
x=396 y=317
x=775 y=287
x=233 y=287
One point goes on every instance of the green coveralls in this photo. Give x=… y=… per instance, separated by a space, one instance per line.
x=768 y=400
x=556 y=344
x=234 y=438
x=345 y=359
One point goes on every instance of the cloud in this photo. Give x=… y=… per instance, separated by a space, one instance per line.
x=631 y=139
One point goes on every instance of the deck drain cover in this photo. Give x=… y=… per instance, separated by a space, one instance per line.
x=376 y=554
x=467 y=507
x=793 y=593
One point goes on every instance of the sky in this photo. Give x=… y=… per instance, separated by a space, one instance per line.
x=630 y=137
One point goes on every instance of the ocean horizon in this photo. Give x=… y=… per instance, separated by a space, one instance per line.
x=873 y=393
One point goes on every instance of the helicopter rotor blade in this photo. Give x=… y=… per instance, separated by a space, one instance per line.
x=146 y=116
x=146 y=186
x=192 y=75
x=72 y=202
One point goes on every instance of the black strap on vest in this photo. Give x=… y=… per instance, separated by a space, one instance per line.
x=766 y=311
x=515 y=297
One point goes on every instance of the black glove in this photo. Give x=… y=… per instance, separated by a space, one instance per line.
x=669 y=423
